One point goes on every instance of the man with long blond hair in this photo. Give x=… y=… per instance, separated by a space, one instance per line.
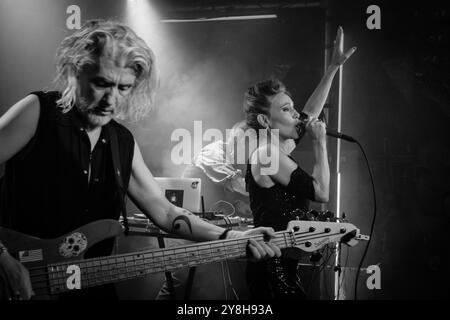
x=59 y=148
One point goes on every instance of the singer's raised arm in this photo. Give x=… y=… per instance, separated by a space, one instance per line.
x=316 y=101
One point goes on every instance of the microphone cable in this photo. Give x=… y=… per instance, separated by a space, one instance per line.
x=373 y=220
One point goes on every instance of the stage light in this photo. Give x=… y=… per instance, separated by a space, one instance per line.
x=231 y=18
x=144 y=19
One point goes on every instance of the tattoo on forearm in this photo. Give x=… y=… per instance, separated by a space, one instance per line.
x=176 y=224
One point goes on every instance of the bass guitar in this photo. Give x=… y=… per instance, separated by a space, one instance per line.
x=57 y=265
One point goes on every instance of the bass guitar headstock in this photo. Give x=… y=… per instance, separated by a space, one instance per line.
x=310 y=236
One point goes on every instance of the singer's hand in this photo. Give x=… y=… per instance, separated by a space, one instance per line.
x=317 y=130
x=339 y=57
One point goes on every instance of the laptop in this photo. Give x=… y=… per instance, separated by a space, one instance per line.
x=182 y=192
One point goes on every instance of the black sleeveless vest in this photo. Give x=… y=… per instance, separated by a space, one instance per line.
x=45 y=191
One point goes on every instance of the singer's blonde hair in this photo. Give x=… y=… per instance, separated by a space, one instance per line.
x=117 y=42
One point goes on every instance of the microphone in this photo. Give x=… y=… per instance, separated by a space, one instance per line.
x=301 y=131
x=339 y=135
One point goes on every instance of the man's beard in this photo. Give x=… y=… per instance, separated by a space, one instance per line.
x=90 y=116
x=97 y=120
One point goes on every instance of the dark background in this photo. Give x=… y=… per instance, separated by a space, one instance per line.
x=395 y=102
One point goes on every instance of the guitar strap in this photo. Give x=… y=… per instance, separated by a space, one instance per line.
x=117 y=174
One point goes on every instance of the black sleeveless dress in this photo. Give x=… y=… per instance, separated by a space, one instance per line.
x=274 y=207
x=277 y=205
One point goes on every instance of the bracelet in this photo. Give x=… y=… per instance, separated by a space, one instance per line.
x=224 y=234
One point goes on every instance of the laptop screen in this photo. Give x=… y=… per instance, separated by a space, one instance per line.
x=182 y=192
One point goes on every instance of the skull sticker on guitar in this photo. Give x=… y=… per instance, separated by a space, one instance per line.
x=73 y=245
